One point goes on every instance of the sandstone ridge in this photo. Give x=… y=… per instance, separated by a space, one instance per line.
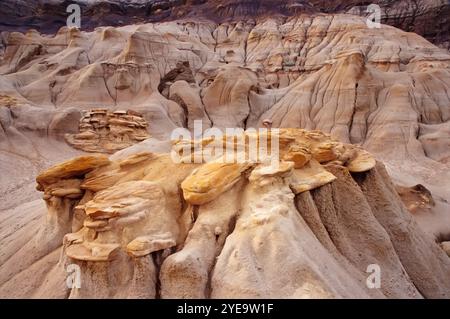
x=305 y=223
x=144 y=226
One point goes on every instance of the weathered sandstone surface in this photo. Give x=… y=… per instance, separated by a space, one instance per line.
x=139 y=224
x=107 y=132
x=305 y=226
x=383 y=89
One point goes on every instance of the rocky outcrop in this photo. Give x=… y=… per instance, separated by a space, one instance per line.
x=107 y=132
x=61 y=186
x=48 y=17
x=146 y=226
x=140 y=224
x=325 y=72
x=316 y=72
x=428 y=18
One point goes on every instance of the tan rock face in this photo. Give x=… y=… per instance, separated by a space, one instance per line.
x=311 y=176
x=61 y=185
x=324 y=72
x=215 y=228
x=72 y=168
x=298 y=151
x=230 y=75
x=211 y=180
x=130 y=214
x=141 y=225
x=102 y=131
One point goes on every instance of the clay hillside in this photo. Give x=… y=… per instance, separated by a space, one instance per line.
x=94 y=179
x=428 y=18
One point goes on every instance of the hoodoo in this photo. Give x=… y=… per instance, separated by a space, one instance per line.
x=224 y=149
x=211 y=229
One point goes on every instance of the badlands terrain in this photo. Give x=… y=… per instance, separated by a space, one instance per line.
x=89 y=181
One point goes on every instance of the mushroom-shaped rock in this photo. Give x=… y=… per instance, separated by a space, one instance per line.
x=211 y=180
x=311 y=176
x=71 y=168
x=363 y=162
x=131 y=217
x=93 y=251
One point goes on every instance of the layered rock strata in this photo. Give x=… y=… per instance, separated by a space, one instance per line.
x=107 y=132
x=305 y=226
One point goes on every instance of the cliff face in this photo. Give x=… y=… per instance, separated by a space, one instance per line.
x=429 y=18
x=142 y=226
x=133 y=222
x=380 y=88
x=49 y=16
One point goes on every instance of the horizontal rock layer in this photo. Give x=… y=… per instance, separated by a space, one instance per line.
x=428 y=18
x=107 y=132
x=139 y=224
x=147 y=227
x=383 y=89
